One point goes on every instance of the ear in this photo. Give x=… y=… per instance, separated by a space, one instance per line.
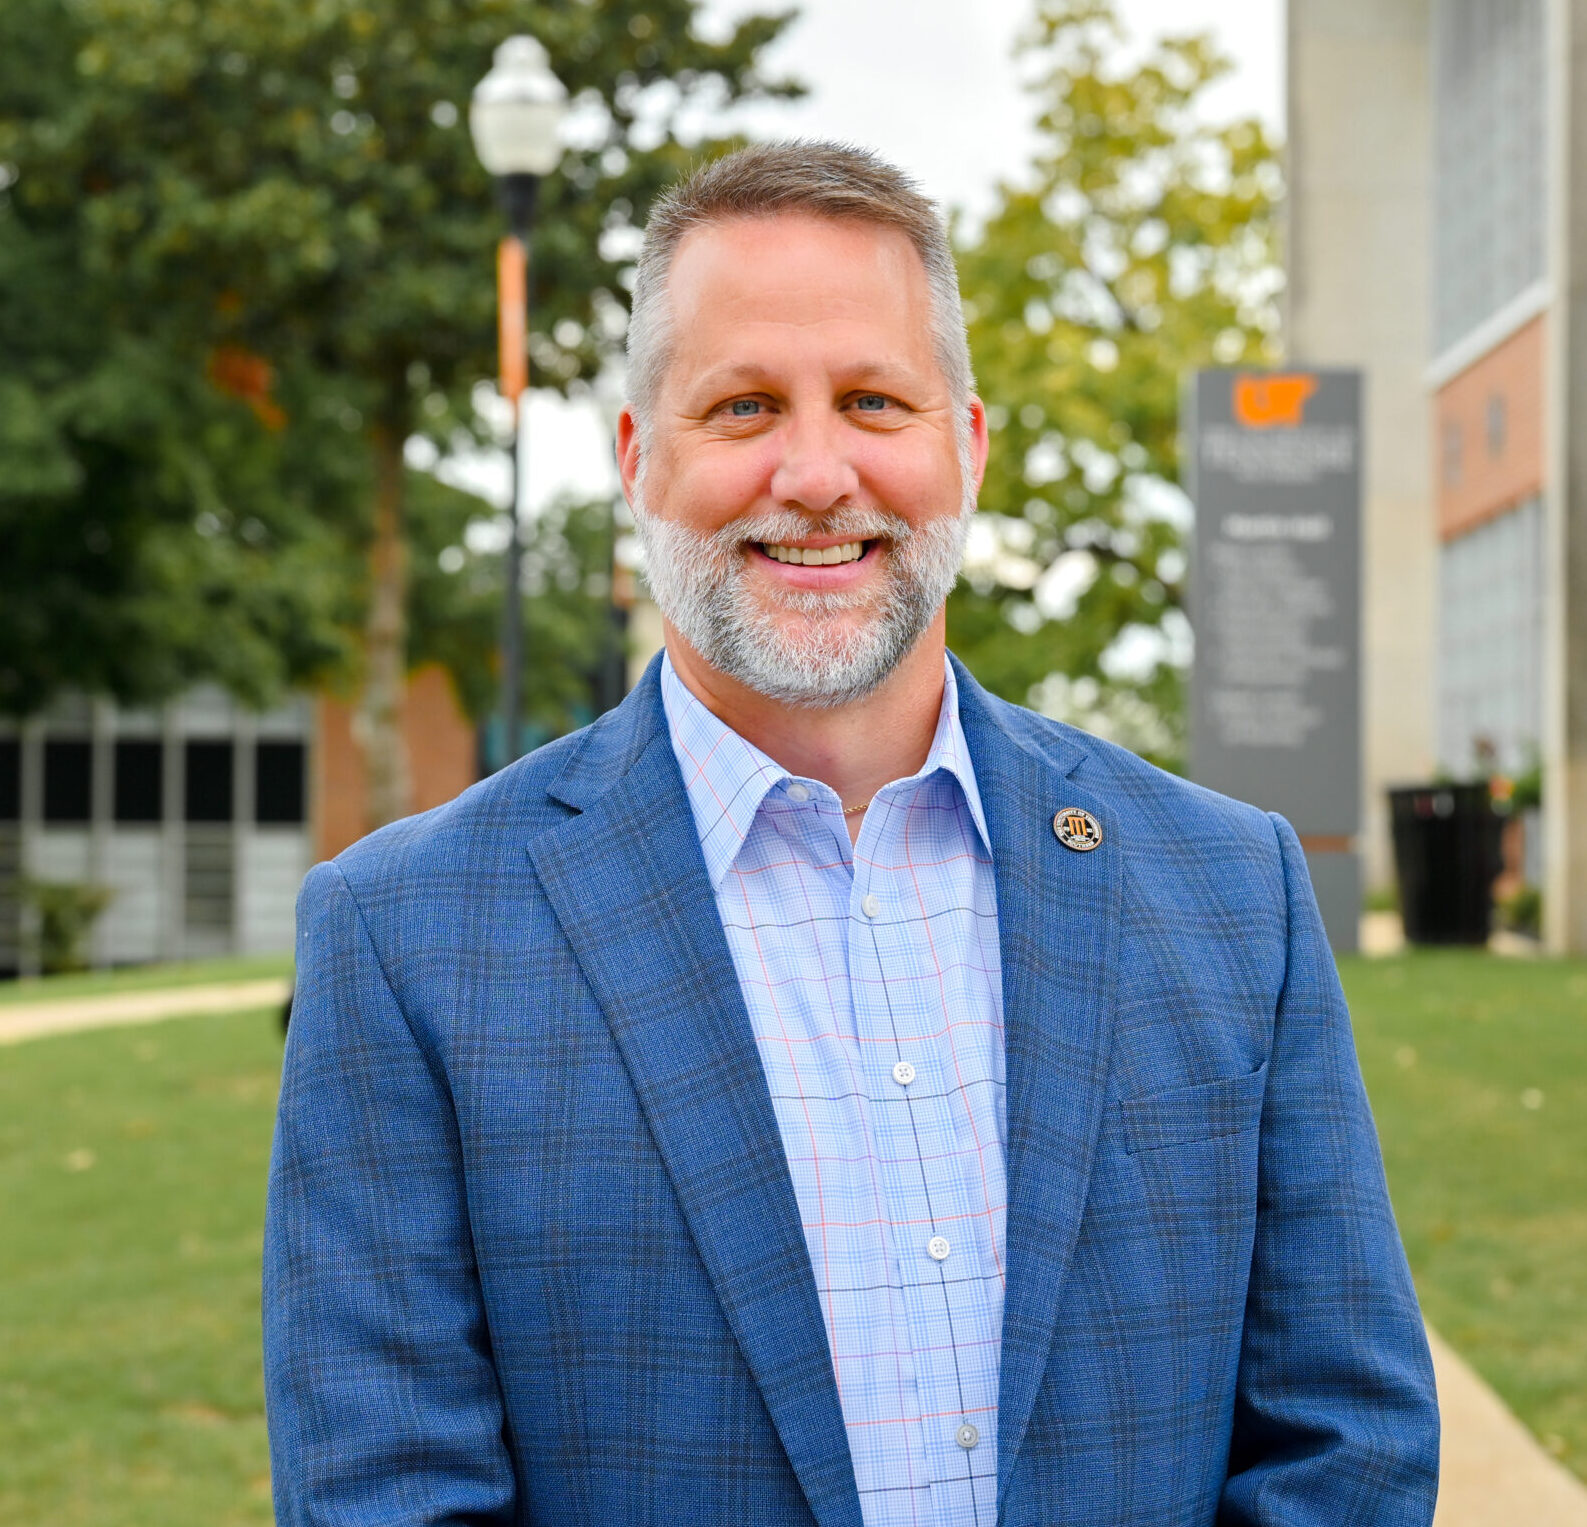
x=979 y=444
x=628 y=452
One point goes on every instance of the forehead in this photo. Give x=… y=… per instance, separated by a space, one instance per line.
x=800 y=280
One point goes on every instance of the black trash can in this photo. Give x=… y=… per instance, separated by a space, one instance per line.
x=1446 y=854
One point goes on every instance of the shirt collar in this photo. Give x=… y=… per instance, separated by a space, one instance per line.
x=727 y=777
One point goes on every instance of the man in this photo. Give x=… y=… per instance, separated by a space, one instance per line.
x=819 y=1091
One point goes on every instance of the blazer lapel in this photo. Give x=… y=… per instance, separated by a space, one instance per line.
x=627 y=882
x=1058 y=916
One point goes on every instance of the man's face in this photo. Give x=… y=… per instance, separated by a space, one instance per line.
x=803 y=488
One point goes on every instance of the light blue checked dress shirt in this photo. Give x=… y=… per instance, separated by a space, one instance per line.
x=874 y=988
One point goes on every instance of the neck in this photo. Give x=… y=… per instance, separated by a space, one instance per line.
x=855 y=748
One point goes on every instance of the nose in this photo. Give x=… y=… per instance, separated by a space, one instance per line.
x=815 y=471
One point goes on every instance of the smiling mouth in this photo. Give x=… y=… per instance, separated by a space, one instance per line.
x=812 y=556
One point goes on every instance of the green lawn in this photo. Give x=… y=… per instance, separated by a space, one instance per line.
x=132 y=1175
x=132 y=1166
x=1477 y=1069
x=94 y=983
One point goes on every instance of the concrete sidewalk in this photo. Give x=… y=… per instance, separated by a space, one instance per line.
x=67 y=1015
x=1494 y=1474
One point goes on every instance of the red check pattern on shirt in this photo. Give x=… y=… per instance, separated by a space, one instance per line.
x=874 y=988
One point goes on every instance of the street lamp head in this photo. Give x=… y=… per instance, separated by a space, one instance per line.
x=517 y=110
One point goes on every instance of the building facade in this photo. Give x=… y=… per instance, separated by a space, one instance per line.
x=1438 y=238
x=199 y=819
x=1485 y=374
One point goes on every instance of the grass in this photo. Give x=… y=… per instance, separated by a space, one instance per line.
x=132 y=1170
x=132 y=1165
x=94 y=983
x=1477 y=1070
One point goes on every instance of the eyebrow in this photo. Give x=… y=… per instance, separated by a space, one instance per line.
x=733 y=374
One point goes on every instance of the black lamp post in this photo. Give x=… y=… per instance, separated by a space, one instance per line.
x=514 y=118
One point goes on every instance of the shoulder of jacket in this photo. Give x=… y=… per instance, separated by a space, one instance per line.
x=511 y=806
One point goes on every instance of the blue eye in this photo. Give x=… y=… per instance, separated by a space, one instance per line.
x=870 y=402
x=744 y=408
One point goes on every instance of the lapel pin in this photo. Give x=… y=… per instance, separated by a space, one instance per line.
x=1077 y=829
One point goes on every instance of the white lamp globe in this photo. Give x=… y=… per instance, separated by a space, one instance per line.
x=517 y=110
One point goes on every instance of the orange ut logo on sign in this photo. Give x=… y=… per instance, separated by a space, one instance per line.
x=1266 y=402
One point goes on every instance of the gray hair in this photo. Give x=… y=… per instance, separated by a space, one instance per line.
x=830 y=180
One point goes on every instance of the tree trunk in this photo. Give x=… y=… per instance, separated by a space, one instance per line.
x=381 y=708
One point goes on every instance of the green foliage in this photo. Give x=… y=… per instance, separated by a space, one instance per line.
x=1522 y=911
x=1526 y=790
x=64 y=913
x=568 y=631
x=155 y=533
x=1140 y=248
x=242 y=242
x=456 y=602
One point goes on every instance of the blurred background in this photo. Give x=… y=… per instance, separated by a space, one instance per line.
x=310 y=352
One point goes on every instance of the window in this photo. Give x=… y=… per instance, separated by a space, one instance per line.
x=1489 y=165
x=10 y=779
x=140 y=781
x=68 y=780
x=278 y=783
x=1498 y=422
x=1451 y=452
x=208 y=793
x=1490 y=643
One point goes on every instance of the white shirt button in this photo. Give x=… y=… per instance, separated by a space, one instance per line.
x=903 y=1073
x=967 y=1436
x=798 y=792
x=871 y=904
x=937 y=1248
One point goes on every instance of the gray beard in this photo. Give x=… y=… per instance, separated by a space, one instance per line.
x=700 y=582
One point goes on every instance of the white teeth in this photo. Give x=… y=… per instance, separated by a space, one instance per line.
x=809 y=556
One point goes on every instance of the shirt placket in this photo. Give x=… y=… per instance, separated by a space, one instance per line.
x=936 y=1241
x=870 y=1316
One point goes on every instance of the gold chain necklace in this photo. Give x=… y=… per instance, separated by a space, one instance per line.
x=849 y=811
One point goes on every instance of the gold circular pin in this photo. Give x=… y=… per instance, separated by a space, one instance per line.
x=1077 y=829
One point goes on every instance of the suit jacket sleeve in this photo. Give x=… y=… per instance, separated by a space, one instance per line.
x=382 y=1397
x=1336 y=1420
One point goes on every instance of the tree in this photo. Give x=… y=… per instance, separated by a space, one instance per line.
x=274 y=207
x=154 y=532
x=1141 y=247
x=456 y=596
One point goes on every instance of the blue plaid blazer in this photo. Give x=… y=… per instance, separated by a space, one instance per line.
x=533 y=1254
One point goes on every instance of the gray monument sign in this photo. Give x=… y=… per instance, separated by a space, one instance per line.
x=1275 y=718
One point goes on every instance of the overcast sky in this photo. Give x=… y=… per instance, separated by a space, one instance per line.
x=939 y=93
x=932 y=85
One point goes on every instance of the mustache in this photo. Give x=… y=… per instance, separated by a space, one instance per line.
x=780 y=525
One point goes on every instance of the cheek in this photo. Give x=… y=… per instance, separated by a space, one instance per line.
x=712 y=483
x=918 y=484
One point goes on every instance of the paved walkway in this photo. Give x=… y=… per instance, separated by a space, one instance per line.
x=66 y=1015
x=1382 y=933
x=1494 y=1472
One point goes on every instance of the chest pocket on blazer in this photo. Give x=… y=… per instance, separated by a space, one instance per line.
x=1184 y=1115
